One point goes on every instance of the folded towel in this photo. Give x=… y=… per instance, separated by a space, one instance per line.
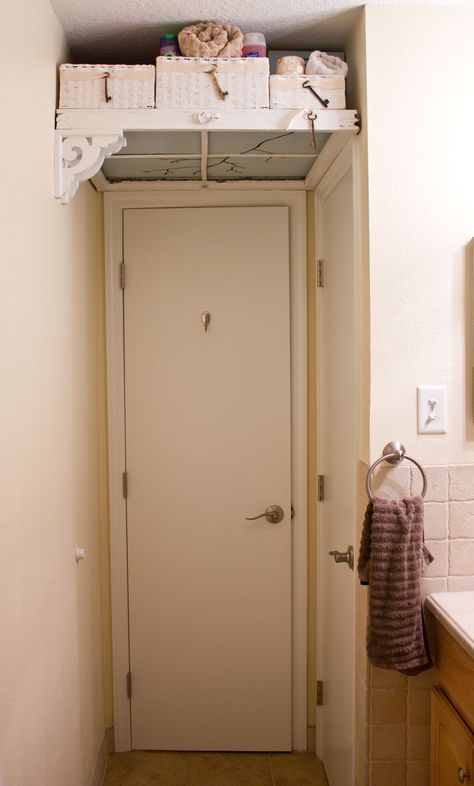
x=390 y=561
x=322 y=64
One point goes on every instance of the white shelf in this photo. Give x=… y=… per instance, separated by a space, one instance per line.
x=86 y=137
x=327 y=120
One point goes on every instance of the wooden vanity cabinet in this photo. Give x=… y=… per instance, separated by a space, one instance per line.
x=452 y=744
x=452 y=714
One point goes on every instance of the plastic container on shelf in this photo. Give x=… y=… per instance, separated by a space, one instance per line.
x=169 y=46
x=254 y=45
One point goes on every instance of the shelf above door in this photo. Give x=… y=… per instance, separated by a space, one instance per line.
x=149 y=149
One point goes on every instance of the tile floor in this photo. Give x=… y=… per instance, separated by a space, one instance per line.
x=214 y=769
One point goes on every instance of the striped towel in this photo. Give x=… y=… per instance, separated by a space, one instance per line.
x=391 y=557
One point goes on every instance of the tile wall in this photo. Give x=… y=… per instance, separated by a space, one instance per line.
x=393 y=711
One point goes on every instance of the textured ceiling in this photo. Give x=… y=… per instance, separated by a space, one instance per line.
x=128 y=30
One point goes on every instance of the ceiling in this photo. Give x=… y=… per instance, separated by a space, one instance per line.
x=128 y=30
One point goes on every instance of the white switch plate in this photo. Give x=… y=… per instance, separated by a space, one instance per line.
x=432 y=409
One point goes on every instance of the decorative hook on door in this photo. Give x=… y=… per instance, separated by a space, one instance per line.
x=205 y=319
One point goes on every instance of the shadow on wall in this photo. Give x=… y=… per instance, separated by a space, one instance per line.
x=469 y=344
x=140 y=43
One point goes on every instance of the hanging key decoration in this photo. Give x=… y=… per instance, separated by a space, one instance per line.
x=221 y=93
x=205 y=319
x=106 y=76
x=312 y=117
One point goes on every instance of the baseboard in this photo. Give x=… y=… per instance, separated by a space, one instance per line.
x=106 y=749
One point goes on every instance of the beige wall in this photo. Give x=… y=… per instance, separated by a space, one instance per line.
x=357 y=97
x=420 y=119
x=52 y=693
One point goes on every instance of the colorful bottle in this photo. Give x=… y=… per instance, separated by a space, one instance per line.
x=169 y=46
x=254 y=45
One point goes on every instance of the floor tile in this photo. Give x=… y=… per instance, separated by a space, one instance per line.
x=297 y=769
x=147 y=768
x=228 y=769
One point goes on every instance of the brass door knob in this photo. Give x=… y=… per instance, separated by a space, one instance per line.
x=344 y=556
x=274 y=514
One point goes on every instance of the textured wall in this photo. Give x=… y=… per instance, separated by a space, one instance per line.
x=393 y=736
x=421 y=217
x=51 y=421
x=421 y=169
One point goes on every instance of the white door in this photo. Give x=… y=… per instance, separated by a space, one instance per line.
x=337 y=434
x=208 y=444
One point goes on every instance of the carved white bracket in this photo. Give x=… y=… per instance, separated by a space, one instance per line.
x=79 y=155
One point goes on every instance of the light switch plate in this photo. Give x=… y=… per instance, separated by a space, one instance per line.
x=432 y=409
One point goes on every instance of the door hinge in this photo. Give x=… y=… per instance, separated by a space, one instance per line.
x=321 y=484
x=320 y=273
x=125 y=484
x=122 y=275
x=129 y=684
x=319 y=693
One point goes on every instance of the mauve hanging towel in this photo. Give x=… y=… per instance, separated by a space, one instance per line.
x=391 y=557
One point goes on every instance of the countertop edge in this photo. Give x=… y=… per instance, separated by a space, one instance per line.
x=450 y=624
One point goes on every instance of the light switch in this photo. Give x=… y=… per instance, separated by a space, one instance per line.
x=432 y=414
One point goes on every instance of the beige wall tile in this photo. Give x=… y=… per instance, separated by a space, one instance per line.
x=386 y=678
x=437 y=478
x=418 y=742
x=426 y=679
x=460 y=583
x=362 y=772
x=439 y=566
x=461 y=482
x=461 y=520
x=418 y=773
x=387 y=773
x=433 y=585
x=387 y=743
x=418 y=709
x=436 y=520
x=461 y=557
x=387 y=706
x=391 y=482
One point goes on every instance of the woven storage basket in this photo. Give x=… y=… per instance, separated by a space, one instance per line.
x=182 y=82
x=287 y=92
x=87 y=86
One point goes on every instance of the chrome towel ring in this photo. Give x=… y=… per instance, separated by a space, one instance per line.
x=394 y=453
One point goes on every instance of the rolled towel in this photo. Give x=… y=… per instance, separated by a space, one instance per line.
x=290 y=66
x=322 y=64
x=208 y=39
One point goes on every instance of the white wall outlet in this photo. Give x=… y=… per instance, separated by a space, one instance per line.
x=432 y=409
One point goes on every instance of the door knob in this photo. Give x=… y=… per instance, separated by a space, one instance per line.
x=344 y=556
x=463 y=776
x=274 y=514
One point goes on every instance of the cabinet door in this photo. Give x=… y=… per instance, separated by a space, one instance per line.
x=452 y=744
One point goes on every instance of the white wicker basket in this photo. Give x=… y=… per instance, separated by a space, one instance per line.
x=287 y=92
x=88 y=86
x=185 y=82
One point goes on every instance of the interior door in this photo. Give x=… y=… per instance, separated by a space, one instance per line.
x=207 y=389
x=337 y=434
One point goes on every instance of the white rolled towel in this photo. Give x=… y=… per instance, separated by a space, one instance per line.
x=322 y=64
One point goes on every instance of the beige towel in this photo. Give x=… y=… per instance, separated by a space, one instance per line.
x=391 y=556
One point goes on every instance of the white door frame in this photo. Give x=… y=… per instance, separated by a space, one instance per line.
x=345 y=162
x=115 y=204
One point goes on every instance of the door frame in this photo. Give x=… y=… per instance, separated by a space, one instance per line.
x=346 y=161
x=115 y=204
